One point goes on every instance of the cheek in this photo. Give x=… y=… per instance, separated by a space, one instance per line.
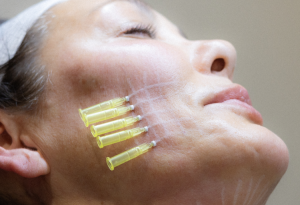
x=91 y=70
x=89 y=73
x=144 y=63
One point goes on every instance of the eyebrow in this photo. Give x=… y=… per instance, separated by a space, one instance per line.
x=140 y=4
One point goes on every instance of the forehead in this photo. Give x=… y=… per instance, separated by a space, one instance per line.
x=73 y=15
x=95 y=5
x=80 y=10
x=140 y=4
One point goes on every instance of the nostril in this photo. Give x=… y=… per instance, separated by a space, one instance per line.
x=218 y=65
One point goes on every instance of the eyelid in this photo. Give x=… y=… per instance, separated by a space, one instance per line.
x=139 y=27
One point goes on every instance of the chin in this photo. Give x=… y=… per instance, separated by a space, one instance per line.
x=275 y=152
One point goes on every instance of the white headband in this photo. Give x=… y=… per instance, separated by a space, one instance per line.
x=13 y=31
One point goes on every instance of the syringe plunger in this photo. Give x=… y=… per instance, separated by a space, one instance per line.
x=128 y=155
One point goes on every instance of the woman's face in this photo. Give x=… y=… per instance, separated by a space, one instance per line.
x=210 y=149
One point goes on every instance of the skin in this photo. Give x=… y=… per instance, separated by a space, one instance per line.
x=214 y=154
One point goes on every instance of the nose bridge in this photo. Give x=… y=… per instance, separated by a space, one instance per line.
x=205 y=53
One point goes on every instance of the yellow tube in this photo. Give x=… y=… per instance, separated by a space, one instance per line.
x=103 y=106
x=105 y=115
x=120 y=136
x=114 y=125
x=128 y=155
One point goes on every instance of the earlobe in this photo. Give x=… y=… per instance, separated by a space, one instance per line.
x=24 y=162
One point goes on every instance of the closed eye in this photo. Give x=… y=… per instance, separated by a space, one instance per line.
x=141 y=31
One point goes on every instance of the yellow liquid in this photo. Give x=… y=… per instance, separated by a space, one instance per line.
x=128 y=155
x=114 y=125
x=105 y=115
x=102 y=106
x=119 y=137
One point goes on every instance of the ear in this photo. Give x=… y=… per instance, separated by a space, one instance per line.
x=15 y=156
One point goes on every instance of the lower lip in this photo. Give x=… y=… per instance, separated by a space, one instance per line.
x=252 y=113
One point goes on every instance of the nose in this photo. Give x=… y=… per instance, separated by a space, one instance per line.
x=214 y=57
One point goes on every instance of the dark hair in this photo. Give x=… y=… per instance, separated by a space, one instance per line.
x=23 y=78
x=22 y=82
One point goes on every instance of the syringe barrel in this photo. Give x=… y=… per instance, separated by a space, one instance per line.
x=112 y=126
x=128 y=155
x=118 y=137
x=102 y=106
x=105 y=115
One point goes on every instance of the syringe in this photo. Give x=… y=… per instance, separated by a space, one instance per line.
x=114 y=125
x=120 y=136
x=105 y=115
x=128 y=155
x=103 y=106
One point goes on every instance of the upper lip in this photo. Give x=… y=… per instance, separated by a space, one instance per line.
x=237 y=92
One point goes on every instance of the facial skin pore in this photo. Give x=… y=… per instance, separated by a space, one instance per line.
x=216 y=153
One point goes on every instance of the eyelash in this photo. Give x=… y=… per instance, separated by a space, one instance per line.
x=144 y=29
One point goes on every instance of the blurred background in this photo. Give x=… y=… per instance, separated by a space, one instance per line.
x=266 y=35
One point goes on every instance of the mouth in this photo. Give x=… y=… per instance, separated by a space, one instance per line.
x=236 y=98
x=233 y=93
